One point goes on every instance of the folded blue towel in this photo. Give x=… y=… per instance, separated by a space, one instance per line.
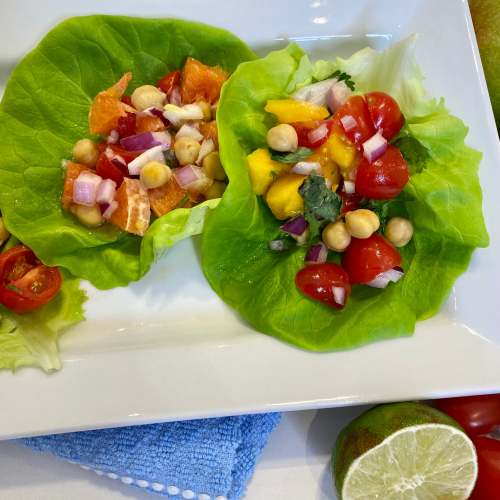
x=208 y=459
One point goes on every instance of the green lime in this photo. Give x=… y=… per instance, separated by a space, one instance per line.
x=404 y=451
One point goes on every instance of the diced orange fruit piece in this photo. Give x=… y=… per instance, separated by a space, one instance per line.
x=208 y=130
x=288 y=110
x=167 y=197
x=201 y=82
x=133 y=212
x=149 y=124
x=72 y=173
x=106 y=108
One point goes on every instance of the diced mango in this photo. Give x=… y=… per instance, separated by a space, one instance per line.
x=283 y=197
x=343 y=151
x=289 y=111
x=260 y=168
x=331 y=170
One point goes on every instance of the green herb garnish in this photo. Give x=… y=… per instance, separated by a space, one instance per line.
x=183 y=201
x=299 y=155
x=340 y=77
x=273 y=174
x=14 y=289
x=381 y=208
x=414 y=152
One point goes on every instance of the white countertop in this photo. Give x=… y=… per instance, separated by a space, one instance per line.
x=294 y=466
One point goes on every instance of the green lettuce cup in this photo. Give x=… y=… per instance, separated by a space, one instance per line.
x=445 y=208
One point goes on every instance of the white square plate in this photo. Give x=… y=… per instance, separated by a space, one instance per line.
x=167 y=348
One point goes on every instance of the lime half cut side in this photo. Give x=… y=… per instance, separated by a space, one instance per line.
x=421 y=462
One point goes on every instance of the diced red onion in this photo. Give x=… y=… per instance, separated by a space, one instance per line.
x=155 y=112
x=188 y=130
x=348 y=122
x=318 y=133
x=339 y=295
x=382 y=280
x=103 y=207
x=349 y=187
x=337 y=96
x=113 y=137
x=109 y=209
x=295 y=226
x=85 y=188
x=153 y=154
x=317 y=254
x=175 y=97
x=306 y=167
x=146 y=140
x=193 y=179
x=116 y=160
x=314 y=93
x=328 y=183
x=178 y=116
x=207 y=147
x=394 y=274
x=374 y=147
x=303 y=238
x=352 y=174
x=106 y=191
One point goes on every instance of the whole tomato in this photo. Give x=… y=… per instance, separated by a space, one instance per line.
x=488 y=459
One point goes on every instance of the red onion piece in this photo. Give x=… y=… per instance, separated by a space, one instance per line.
x=318 y=133
x=348 y=122
x=295 y=226
x=146 y=140
x=328 y=183
x=382 y=280
x=193 y=179
x=85 y=188
x=153 y=154
x=317 y=254
x=337 y=96
x=113 y=137
x=187 y=130
x=207 y=147
x=116 y=160
x=106 y=191
x=109 y=209
x=349 y=187
x=103 y=207
x=155 y=112
x=339 y=294
x=306 y=167
x=374 y=147
x=175 y=97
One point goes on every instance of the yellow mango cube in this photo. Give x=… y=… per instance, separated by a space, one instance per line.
x=343 y=151
x=283 y=197
x=260 y=168
x=289 y=111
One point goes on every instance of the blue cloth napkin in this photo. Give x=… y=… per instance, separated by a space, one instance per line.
x=208 y=459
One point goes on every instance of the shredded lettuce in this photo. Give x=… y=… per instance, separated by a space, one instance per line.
x=445 y=207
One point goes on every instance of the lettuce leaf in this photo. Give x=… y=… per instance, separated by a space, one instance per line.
x=445 y=208
x=44 y=111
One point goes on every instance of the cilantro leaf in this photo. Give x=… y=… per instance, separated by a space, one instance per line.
x=299 y=155
x=340 y=77
x=414 y=152
x=14 y=289
x=273 y=174
x=381 y=208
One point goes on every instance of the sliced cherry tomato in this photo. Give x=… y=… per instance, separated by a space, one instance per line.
x=488 y=459
x=317 y=281
x=358 y=109
x=25 y=283
x=384 y=178
x=168 y=82
x=107 y=170
x=365 y=259
x=476 y=414
x=128 y=156
x=351 y=201
x=303 y=129
x=127 y=125
x=385 y=113
x=126 y=99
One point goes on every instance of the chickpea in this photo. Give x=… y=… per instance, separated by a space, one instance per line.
x=86 y=152
x=283 y=138
x=213 y=109
x=361 y=223
x=216 y=190
x=336 y=237
x=147 y=96
x=399 y=231
x=154 y=174
x=4 y=234
x=207 y=113
x=213 y=167
x=90 y=216
x=186 y=150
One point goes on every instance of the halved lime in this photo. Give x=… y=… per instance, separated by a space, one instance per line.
x=404 y=451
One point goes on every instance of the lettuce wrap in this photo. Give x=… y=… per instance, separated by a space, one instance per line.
x=445 y=208
x=44 y=112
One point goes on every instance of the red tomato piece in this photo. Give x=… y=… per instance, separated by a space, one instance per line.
x=476 y=414
x=317 y=282
x=383 y=179
x=385 y=113
x=126 y=99
x=35 y=283
x=358 y=109
x=107 y=170
x=351 y=201
x=488 y=480
x=127 y=125
x=303 y=129
x=128 y=156
x=365 y=259
x=168 y=82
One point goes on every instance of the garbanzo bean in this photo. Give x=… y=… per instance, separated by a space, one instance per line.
x=86 y=152
x=283 y=138
x=186 y=150
x=361 y=223
x=216 y=190
x=147 y=96
x=336 y=237
x=213 y=167
x=154 y=174
x=399 y=231
x=90 y=216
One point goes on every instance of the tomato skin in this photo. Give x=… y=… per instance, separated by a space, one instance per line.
x=365 y=259
x=383 y=179
x=13 y=266
x=385 y=113
x=358 y=109
x=107 y=170
x=303 y=128
x=476 y=414
x=488 y=480
x=351 y=201
x=126 y=99
x=168 y=82
x=127 y=125
x=317 y=281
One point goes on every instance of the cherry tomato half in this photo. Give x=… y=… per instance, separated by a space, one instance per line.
x=317 y=281
x=303 y=129
x=168 y=82
x=488 y=459
x=365 y=259
x=476 y=414
x=107 y=170
x=383 y=179
x=25 y=283
x=385 y=113
x=358 y=109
